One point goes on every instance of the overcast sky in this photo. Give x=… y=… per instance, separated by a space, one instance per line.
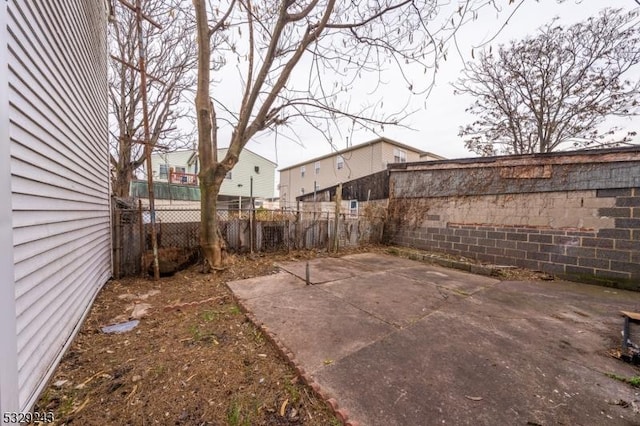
x=439 y=117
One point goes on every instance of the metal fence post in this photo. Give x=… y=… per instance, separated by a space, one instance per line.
x=117 y=244
x=142 y=239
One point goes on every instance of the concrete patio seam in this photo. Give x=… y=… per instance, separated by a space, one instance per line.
x=341 y=413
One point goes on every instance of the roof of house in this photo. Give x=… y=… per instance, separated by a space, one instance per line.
x=371 y=142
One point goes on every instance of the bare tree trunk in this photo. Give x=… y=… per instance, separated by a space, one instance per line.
x=170 y=78
x=210 y=181
x=211 y=240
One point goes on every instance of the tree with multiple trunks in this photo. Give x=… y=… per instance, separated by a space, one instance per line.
x=555 y=90
x=301 y=60
x=170 y=53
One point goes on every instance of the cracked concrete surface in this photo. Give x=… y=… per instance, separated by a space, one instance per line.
x=398 y=342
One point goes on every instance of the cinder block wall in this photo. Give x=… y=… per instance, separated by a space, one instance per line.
x=575 y=215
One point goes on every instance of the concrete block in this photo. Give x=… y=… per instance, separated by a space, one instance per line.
x=552 y=268
x=561 y=259
x=616 y=275
x=477 y=249
x=506 y=244
x=632 y=268
x=566 y=240
x=515 y=254
x=496 y=251
x=597 y=202
x=538 y=256
x=527 y=246
x=622 y=192
x=597 y=222
x=597 y=242
x=617 y=255
x=461 y=247
x=514 y=236
x=534 y=265
x=623 y=234
x=581 y=251
x=547 y=239
x=627 y=223
x=579 y=270
x=614 y=212
x=478 y=234
x=472 y=241
x=552 y=248
x=594 y=263
x=627 y=245
x=628 y=202
x=487 y=242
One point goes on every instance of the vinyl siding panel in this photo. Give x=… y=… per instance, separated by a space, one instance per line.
x=360 y=160
x=172 y=160
x=8 y=348
x=57 y=85
x=387 y=154
x=263 y=182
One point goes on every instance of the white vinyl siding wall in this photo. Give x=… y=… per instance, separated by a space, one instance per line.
x=263 y=182
x=59 y=176
x=8 y=348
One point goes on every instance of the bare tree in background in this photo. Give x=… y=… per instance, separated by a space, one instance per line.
x=170 y=64
x=555 y=90
x=300 y=60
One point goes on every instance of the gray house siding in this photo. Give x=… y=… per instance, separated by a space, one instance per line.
x=57 y=109
x=8 y=348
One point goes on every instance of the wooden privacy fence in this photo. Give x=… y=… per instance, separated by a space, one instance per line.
x=244 y=231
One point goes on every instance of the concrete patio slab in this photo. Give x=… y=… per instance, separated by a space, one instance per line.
x=316 y=326
x=447 y=371
x=324 y=270
x=380 y=263
x=259 y=286
x=457 y=281
x=393 y=298
x=423 y=345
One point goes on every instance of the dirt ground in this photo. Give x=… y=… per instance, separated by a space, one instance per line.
x=194 y=358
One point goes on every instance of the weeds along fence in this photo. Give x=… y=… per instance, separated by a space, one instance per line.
x=244 y=231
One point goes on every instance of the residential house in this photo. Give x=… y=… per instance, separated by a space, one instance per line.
x=345 y=165
x=252 y=175
x=55 y=233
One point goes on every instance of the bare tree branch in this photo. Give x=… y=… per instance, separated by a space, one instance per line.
x=303 y=60
x=170 y=65
x=556 y=89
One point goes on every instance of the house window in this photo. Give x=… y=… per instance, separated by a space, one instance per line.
x=302 y=171
x=339 y=162
x=228 y=175
x=317 y=167
x=180 y=170
x=164 y=171
x=399 y=156
x=256 y=169
x=302 y=190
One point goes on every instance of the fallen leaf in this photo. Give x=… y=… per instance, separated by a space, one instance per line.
x=140 y=310
x=283 y=407
x=473 y=398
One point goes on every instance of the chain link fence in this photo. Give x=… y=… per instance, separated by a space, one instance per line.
x=244 y=231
